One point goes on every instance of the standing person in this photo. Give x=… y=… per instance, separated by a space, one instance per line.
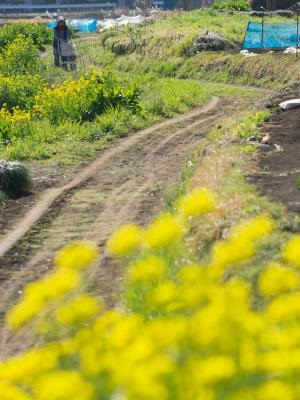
x=61 y=32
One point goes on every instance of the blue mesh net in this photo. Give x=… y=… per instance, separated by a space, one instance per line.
x=274 y=36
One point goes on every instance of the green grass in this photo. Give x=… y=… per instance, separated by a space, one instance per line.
x=70 y=142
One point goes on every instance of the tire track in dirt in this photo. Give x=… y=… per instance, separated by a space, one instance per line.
x=125 y=184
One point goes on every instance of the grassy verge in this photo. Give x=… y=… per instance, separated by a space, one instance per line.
x=222 y=166
x=158 y=48
x=71 y=142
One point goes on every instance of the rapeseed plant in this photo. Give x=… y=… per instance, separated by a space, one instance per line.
x=13 y=125
x=83 y=99
x=192 y=331
x=19 y=90
x=126 y=239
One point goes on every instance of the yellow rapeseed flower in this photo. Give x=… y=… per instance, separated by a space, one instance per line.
x=149 y=268
x=283 y=361
x=211 y=370
x=196 y=203
x=77 y=255
x=291 y=251
x=23 y=312
x=10 y=392
x=225 y=254
x=253 y=229
x=275 y=390
x=277 y=279
x=79 y=310
x=124 y=240
x=284 y=308
x=163 y=294
x=163 y=232
x=29 y=365
x=63 y=385
x=38 y=294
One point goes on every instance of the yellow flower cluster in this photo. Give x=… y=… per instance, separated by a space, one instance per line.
x=66 y=100
x=191 y=330
x=57 y=285
x=20 y=90
x=13 y=124
x=165 y=231
x=80 y=100
x=16 y=116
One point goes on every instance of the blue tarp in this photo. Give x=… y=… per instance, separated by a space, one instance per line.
x=81 y=25
x=273 y=36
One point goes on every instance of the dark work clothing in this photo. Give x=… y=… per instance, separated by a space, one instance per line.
x=60 y=34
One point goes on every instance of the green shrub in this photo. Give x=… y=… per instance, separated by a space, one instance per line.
x=81 y=100
x=39 y=34
x=15 y=179
x=234 y=5
x=20 y=57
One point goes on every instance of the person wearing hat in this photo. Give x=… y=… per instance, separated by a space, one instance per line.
x=61 y=32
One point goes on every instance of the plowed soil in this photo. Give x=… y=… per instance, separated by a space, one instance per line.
x=126 y=183
x=279 y=170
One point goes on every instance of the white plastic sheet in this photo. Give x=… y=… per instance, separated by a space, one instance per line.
x=123 y=20
x=289 y=104
x=247 y=53
x=290 y=50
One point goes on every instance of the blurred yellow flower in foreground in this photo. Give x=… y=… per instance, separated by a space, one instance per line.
x=149 y=268
x=38 y=295
x=196 y=203
x=63 y=385
x=163 y=232
x=124 y=240
x=80 y=309
x=191 y=328
x=10 y=392
x=77 y=255
x=291 y=251
x=276 y=280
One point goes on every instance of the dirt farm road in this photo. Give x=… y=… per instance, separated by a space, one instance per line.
x=126 y=183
